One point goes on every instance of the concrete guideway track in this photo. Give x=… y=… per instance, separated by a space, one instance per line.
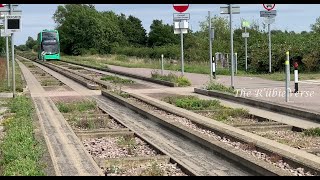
x=201 y=161
x=67 y=152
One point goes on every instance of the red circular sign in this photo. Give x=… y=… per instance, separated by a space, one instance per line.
x=180 y=7
x=269 y=7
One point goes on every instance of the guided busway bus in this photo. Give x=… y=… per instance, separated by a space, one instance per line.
x=49 y=45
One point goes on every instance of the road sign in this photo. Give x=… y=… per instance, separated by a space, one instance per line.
x=225 y=10
x=16 y=12
x=245 y=35
x=269 y=20
x=272 y=13
x=181 y=16
x=180 y=7
x=1 y=5
x=269 y=7
x=245 y=24
x=12 y=23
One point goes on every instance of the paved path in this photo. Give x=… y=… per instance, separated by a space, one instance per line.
x=257 y=87
x=67 y=152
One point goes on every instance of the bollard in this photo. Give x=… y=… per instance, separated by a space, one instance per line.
x=162 y=65
x=287 y=76
x=296 y=80
x=213 y=67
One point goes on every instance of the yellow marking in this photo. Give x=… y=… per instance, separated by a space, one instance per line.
x=287 y=63
x=287 y=53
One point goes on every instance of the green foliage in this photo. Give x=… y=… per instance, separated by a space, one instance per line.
x=80 y=106
x=179 y=80
x=312 y=132
x=161 y=34
x=192 y=102
x=84 y=30
x=219 y=87
x=20 y=152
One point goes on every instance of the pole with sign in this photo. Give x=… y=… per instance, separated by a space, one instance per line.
x=181 y=26
x=269 y=16
x=211 y=36
x=245 y=35
x=12 y=24
x=231 y=10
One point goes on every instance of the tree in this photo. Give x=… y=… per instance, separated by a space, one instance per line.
x=82 y=27
x=161 y=34
x=316 y=26
x=30 y=42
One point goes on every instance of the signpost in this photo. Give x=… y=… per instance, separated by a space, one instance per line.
x=269 y=15
x=245 y=35
x=233 y=10
x=211 y=37
x=181 y=26
x=12 y=23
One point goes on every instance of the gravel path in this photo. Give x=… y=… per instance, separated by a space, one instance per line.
x=249 y=149
x=109 y=147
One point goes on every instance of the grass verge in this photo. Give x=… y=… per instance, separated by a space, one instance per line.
x=20 y=151
x=3 y=79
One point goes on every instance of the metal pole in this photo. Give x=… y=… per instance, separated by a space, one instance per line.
x=246 y=48
x=162 y=64
x=236 y=62
x=8 y=60
x=13 y=62
x=231 y=47
x=182 y=63
x=210 y=45
x=287 y=76
x=269 y=48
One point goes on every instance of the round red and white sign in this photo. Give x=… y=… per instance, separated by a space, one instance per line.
x=180 y=7
x=269 y=7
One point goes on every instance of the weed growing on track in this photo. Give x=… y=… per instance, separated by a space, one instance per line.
x=80 y=106
x=219 y=112
x=116 y=79
x=153 y=170
x=181 y=81
x=127 y=142
x=219 y=87
x=20 y=152
x=312 y=132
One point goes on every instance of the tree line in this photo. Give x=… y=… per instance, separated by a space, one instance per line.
x=84 y=30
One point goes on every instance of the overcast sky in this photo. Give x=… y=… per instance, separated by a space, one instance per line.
x=291 y=17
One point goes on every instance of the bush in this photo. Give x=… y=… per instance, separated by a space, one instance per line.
x=220 y=87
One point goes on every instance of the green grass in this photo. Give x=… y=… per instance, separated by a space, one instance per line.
x=220 y=113
x=20 y=152
x=181 y=81
x=116 y=79
x=219 y=87
x=312 y=132
x=77 y=106
x=192 y=103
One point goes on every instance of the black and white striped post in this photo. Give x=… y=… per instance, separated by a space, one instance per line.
x=296 y=80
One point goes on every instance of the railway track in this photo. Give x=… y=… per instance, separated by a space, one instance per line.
x=251 y=164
